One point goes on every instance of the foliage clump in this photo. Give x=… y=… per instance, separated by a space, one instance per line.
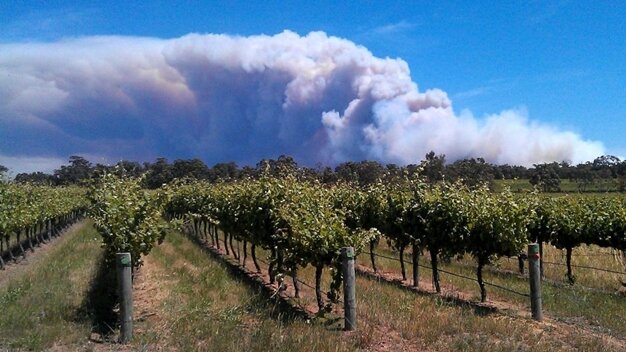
x=128 y=218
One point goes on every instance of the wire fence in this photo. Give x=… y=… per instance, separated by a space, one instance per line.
x=304 y=283
x=491 y=284
x=507 y=289
x=560 y=283
x=456 y=275
x=573 y=266
x=587 y=267
x=583 y=266
x=595 y=255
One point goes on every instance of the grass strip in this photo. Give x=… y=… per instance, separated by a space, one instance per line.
x=206 y=307
x=45 y=305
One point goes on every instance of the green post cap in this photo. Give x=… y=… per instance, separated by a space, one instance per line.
x=533 y=251
x=348 y=252
x=123 y=259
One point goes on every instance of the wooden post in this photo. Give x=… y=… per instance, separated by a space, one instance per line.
x=125 y=290
x=349 y=292
x=416 y=266
x=534 y=275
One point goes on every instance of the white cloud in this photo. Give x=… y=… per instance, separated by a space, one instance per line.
x=393 y=28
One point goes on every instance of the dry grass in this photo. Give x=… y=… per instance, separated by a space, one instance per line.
x=592 y=302
x=43 y=306
x=200 y=305
x=394 y=319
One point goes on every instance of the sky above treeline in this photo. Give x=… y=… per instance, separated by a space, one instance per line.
x=514 y=82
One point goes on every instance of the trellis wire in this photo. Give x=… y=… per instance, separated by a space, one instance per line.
x=457 y=275
x=587 y=267
x=302 y=282
x=298 y=280
x=584 y=266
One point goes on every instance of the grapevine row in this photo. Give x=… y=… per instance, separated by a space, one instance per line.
x=29 y=213
x=304 y=223
x=568 y=222
x=451 y=220
x=297 y=222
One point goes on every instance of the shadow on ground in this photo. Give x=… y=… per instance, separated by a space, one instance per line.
x=99 y=305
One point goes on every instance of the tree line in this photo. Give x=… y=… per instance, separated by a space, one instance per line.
x=473 y=171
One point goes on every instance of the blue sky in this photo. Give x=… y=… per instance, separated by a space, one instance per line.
x=564 y=62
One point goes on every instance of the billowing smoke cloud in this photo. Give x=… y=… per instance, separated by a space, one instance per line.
x=221 y=98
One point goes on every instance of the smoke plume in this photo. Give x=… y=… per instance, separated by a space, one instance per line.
x=221 y=98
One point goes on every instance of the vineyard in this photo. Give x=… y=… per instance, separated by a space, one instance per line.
x=30 y=215
x=286 y=233
x=303 y=223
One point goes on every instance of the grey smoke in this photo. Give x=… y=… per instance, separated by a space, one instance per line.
x=220 y=98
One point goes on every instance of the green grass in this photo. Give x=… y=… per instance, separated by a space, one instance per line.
x=516 y=185
x=390 y=316
x=207 y=308
x=44 y=306
x=201 y=305
x=438 y=325
x=576 y=304
x=567 y=186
